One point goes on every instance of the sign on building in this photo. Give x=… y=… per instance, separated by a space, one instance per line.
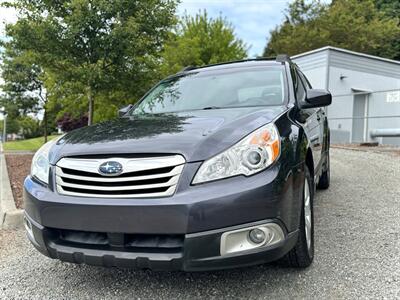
x=392 y=97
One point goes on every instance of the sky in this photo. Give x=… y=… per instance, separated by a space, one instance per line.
x=252 y=19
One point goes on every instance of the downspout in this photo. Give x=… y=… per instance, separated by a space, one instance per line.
x=327 y=69
x=366 y=120
x=327 y=74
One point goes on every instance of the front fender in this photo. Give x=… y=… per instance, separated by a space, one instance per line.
x=294 y=147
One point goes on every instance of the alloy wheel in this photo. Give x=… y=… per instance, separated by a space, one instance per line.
x=307 y=213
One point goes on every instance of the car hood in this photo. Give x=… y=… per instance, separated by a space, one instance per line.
x=197 y=135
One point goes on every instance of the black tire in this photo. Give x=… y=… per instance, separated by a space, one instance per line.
x=325 y=178
x=301 y=256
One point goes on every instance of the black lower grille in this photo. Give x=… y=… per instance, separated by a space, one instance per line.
x=157 y=243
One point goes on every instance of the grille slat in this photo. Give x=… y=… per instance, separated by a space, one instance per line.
x=91 y=165
x=158 y=173
x=140 y=178
x=122 y=192
x=84 y=186
x=118 y=183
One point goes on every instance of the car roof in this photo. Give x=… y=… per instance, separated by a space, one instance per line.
x=233 y=64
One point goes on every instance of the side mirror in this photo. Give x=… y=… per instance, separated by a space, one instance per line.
x=124 y=110
x=316 y=98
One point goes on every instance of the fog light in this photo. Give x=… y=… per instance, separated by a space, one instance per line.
x=249 y=238
x=257 y=236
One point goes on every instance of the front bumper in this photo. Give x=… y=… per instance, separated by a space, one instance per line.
x=200 y=252
x=199 y=214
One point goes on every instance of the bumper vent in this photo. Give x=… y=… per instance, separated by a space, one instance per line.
x=156 y=243
x=140 y=177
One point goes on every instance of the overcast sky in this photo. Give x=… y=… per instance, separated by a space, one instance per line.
x=252 y=19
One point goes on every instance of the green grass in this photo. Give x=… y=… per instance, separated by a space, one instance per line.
x=26 y=145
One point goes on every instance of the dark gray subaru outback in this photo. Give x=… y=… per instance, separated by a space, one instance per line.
x=214 y=168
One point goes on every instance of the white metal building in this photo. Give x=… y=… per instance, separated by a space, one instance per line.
x=365 y=90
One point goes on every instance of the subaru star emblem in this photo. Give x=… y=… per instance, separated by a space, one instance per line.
x=110 y=168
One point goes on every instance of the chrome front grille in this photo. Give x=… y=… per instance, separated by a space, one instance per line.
x=140 y=178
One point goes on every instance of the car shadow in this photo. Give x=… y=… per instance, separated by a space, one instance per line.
x=245 y=282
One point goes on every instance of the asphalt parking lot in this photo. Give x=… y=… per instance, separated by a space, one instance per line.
x=357 y=252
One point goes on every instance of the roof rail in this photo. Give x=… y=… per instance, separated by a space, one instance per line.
x=278 y=59
x=283 y=58
x=188 y=68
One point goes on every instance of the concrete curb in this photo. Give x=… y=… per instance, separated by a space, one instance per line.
x=368 y=149
x=18 y=152
x=10 y=216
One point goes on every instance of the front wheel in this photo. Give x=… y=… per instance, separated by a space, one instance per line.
x=302 y=255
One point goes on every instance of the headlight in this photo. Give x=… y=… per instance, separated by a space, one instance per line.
x=40 y=162
x=251 y=155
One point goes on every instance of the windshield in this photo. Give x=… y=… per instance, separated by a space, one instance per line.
x=216 y=89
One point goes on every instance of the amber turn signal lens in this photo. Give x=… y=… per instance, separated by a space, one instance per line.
x=275 y=149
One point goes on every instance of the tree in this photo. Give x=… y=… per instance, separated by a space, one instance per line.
x=300 y=11
x=24 y=82
x=201 y=40
x=21 y=80
x=13 y=113
x=98 y=46
x=351 y=24
x=391 y=8
x=29 y=127
x=68 y=123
